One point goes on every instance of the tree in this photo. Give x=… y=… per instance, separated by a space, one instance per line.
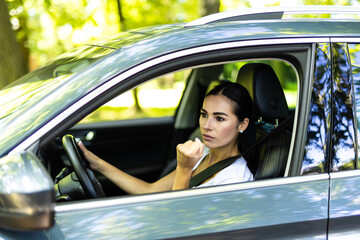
x=12 y=61
x=44 y=29
x=209 y=7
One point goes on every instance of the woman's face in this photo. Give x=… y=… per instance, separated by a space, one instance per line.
x=218 y=123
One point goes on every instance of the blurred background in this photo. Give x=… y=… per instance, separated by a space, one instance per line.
x=36 y=31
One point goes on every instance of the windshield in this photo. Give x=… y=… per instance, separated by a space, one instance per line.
x=34 y=86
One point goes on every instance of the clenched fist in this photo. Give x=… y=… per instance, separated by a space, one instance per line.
x=189 y=153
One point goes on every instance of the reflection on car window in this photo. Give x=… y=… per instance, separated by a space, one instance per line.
x=159 y=97
x=331 y=137
x=343 y=140
x=354 y=50
x=316 y=144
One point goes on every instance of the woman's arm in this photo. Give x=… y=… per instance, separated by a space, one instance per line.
x=128 y=183
x=188 y=154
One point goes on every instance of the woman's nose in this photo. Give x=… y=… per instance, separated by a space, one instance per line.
x=207 y=124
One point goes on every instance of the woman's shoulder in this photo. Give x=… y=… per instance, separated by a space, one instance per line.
x=234 y=173
x=238 y=171
x=237 y=167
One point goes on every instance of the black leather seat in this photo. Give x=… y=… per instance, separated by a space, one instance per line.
x=270 y=109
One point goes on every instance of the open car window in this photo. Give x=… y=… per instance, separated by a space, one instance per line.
x=159 y=97
x=137 y=130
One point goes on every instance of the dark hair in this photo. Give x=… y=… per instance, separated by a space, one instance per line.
x=238 y=94
x=243 y=109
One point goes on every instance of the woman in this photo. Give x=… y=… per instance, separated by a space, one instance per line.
x=225 y=118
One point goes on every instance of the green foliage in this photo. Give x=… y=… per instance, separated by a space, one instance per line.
x=140 y=13
x=120 y=113
x=47 y=28
x=51 y=27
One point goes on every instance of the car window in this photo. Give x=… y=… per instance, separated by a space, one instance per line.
x=344 y=144
x=159 y=97
x=142 y=140
x=316 y=154
x=354 y=50
x=332 y=134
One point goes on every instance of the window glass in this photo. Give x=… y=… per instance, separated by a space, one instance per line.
x=343 y=137
x=159 y=97
x=331 y=134
x=354 y=50
x=318 y=130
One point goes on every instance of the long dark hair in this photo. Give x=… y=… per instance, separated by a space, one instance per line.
x=243 y=109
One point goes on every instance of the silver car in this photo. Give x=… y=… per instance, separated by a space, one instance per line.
x=133 y=97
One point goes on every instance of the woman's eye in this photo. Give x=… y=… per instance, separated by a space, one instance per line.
x=203 y=114
x=220 y=119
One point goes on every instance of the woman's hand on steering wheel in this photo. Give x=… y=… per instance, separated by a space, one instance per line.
x=94 y=161
x=87 y=179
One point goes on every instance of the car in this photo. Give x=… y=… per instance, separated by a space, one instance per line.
x=133 y=97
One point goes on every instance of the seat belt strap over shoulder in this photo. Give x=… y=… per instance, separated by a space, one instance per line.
x=210 y=171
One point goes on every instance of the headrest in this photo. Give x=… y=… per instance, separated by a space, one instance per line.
x=265 y=90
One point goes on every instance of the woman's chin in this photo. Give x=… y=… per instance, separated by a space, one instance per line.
x=209 y=144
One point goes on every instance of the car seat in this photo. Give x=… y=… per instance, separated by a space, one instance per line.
x=270 y=109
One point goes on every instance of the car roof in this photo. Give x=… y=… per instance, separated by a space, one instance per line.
x=277 y=13
x=257 y=23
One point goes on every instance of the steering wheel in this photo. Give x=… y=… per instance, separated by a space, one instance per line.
x=86 y=177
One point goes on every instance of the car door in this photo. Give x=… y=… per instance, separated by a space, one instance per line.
x=293 y=206
x=345 y=176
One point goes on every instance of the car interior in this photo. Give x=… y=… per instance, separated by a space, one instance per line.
x=144 y=146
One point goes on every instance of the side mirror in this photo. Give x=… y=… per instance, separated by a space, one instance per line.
x=27 y=197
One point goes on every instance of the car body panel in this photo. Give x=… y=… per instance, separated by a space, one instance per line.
x=344 y=210
x=205 y=211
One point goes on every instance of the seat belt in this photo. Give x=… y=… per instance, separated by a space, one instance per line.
x=217 y=167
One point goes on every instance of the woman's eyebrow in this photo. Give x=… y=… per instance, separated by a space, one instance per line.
x=220 y=113
x=215 y=113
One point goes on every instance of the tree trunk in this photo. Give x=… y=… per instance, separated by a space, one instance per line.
x=12 y=63
x=209 y=7
x=121 y=17
x=123 y=28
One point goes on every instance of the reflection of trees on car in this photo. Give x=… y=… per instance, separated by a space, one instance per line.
x=344 y=156
x=319 y=120
x=343 y=152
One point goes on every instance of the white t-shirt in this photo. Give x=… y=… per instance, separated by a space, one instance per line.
x=236 y=172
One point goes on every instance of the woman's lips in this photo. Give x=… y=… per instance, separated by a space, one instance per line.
x=207 y=137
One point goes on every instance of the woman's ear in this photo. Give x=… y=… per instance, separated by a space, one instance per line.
x=243 y=125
